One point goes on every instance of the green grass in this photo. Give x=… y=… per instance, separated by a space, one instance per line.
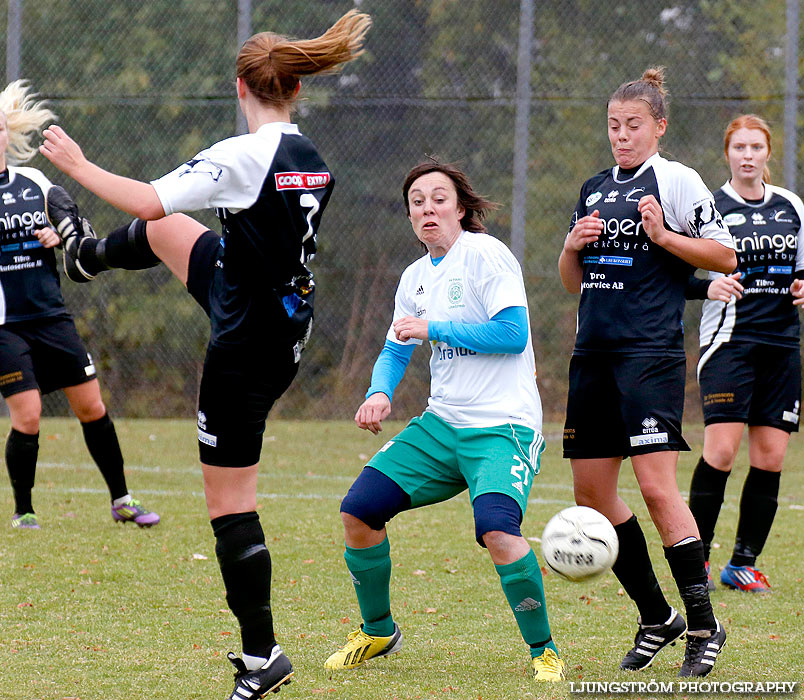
x=94 y=610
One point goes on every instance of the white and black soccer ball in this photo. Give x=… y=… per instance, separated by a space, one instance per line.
x=579 y=543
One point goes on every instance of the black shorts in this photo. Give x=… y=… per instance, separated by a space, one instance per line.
x=238 y=387
x=624 y=406
x=240 y=382
x=45 y=354
x=201 y=268
x=751 y=383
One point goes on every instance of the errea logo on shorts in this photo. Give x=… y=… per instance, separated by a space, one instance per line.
x=301 y=181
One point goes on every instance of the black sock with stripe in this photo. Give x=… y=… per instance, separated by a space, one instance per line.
x=245 y=565
x=758 y=505
x=686 y=562
x=22 y=451
x=102 y=443
x=126 y=248
x=707 y=488
x=634 y=570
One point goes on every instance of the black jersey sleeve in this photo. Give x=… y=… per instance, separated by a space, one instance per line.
x=696 y=288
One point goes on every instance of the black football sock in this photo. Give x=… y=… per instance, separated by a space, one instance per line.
x=21 y=453
x=102 y=443
x=757 y=510
x=634 y=570
x=687 y=566
x=706 y=496
x=126 y=248
x=245 y=565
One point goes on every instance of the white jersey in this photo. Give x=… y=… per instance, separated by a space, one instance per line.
x=476 y=279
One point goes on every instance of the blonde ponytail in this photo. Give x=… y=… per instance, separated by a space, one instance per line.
x=25 y=117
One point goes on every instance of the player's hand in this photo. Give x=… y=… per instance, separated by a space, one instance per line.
x=372 y=412
x=47 y=237
x=724 y=288
x=797 y=290
x=61 y=150
x=653 y=219
x=410 y=327
x=586 y=230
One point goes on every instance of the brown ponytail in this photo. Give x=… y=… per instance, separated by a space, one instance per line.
x=649 y=88
x=271 y=65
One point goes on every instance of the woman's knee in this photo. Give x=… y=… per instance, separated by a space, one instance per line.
x=25 y=410
x=658 y=496
x=374 y=499
x=720 y=456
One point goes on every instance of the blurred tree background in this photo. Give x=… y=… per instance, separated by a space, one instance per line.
x=144 y=86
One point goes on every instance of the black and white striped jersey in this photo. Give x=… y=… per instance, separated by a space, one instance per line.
x=632 y=292
x=769 y=240
x=268 y=189
x=29 y=279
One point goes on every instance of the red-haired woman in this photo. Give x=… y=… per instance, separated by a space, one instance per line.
x=269 y=188
x=749 y=370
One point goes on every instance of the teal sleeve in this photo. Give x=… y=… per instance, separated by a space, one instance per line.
x=506 y=332
x=389 y=368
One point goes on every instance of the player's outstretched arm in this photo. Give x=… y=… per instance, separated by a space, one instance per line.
x=131 y=196
x=372 y=412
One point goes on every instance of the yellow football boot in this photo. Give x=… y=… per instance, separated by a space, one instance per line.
x=361 y=647
x=548 y=667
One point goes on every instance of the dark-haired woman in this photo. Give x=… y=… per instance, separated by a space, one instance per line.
x=637 y=230
x=269 y=188
x=481 y=429
x=749 y=371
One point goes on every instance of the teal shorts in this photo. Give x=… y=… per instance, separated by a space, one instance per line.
x=432 y=461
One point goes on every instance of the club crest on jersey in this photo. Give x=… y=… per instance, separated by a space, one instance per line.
x=301 y=181
x=734 y=219
x=455 y=293
x=592 y=198
x=202 y=166
x=780 y=217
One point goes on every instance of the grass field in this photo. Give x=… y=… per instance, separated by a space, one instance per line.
x=94 y=610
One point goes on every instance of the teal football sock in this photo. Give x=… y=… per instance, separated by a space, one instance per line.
x=522 y=584
x=370 y=569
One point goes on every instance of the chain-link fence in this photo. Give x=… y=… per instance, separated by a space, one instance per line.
x=144 y=86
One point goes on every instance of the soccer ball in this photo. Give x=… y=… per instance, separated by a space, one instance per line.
x=579 y=543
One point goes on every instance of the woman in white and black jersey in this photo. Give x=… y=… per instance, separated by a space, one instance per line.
x=40 y=350
x=269 y=188
x=637 y=230
x=749 y=371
